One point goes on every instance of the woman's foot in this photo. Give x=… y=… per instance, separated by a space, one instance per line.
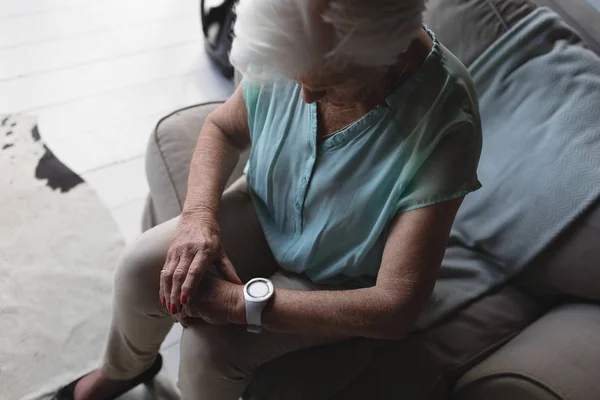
x=95 y=386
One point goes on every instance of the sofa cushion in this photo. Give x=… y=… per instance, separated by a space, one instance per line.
x=468 y=27
x=571 y=265
x=423 y=366
x=556 y=358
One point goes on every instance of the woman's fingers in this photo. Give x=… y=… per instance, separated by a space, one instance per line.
x=161 y=291
x=194 y=276
x=226 y=268
x=166 y=279
x=179 y=276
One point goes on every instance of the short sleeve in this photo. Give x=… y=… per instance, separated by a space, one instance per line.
x=449 y=172
x=251 y=93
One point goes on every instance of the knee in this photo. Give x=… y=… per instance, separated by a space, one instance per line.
x=139 y=266
x=210 y=353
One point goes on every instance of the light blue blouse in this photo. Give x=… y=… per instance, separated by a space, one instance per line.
x=325 y=208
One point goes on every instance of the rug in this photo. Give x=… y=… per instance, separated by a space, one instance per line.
x=58 y=249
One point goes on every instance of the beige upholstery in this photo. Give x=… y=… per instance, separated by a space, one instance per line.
x=426 y=364
x=581 y=15
x=571 y=266
x=468 y=27
x=556 y=358
x=423 y=366
x=170 y=150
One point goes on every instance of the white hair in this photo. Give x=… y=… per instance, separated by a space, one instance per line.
x=285 y=37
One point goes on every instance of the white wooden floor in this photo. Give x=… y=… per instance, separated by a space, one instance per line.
x=99 y=74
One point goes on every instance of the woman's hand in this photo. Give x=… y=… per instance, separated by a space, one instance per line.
x=217 y=302
x=195 y=246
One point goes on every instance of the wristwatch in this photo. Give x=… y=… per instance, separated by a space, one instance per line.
x=257 y=293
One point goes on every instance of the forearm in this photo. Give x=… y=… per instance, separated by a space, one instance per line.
x=350 y=313
x=213 y=162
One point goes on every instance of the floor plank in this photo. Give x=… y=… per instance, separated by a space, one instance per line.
x=171 y=361
x=28 y=59
x=121 y=183
x=94 y=149
x=11 y=8
x=91 y=16
x=78 y=82
x=107 y=111
x=81 y=153
x=128 y=217
x=173 y=337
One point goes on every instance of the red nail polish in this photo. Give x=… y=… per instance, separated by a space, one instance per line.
x=162 y=300
x=173 y=308
x=183 y=299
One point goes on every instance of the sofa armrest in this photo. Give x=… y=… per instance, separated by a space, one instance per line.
x=555 y=358
x=168 y=158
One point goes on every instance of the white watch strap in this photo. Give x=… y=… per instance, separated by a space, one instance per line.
x=254 y=316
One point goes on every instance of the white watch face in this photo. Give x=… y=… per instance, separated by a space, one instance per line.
x=258 y=289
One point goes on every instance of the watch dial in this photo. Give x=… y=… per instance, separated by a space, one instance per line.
x=258 y=289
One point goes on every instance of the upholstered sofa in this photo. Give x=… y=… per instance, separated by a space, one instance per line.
x=535 y=338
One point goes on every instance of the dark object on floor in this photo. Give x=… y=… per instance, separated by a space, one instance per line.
x=217 y=26
x=67 y=392
x=57 y=174
x=35 y=133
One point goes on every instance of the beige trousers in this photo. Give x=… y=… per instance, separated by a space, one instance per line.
x=216 y=361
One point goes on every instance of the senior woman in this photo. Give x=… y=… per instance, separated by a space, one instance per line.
x=365 y=137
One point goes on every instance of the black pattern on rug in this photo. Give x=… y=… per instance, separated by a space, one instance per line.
x=49 y=168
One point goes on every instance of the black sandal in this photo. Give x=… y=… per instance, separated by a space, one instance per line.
x=67 y=392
